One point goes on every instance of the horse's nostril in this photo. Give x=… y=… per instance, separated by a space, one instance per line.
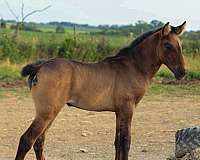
x=180 y=73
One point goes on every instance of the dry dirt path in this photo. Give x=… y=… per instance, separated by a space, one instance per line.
x=155 y=121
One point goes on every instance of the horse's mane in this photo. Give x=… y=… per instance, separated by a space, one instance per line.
x=136 y=42
x=128 y=49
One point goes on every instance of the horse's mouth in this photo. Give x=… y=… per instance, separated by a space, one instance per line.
x=180 y=74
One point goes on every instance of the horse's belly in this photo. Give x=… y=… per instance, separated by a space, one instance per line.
x=91 y=106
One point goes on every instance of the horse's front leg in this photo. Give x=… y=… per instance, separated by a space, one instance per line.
x=117 y=138
x=123 y=139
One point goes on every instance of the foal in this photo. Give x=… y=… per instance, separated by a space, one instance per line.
x=114 y=84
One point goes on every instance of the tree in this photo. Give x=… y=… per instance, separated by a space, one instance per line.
x=2 y=23
x=141 y=26
x=156 y=24
x=60 y=29
x=21 y=19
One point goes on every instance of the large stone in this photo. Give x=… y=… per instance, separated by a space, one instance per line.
x=193 y=155
x=187 y=140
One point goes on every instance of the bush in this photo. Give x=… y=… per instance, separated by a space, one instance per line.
x=60 y=29
x=2 y=24
x=31 y=27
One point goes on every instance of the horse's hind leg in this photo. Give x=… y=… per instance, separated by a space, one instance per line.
x=37 y=128
x=29 y=137
x=39 y=147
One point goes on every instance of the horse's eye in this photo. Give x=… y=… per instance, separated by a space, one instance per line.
x=168 y=46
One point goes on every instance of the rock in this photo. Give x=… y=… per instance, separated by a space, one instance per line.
x=86 y=133
x=187 y=140
x=83 y=150
x=193 y=155
x=144 y=150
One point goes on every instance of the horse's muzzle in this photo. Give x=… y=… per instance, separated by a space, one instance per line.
x=179 y=73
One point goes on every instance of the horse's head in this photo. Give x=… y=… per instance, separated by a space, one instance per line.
x=170 y=49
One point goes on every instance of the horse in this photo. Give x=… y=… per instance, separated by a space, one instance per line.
x=116 y=83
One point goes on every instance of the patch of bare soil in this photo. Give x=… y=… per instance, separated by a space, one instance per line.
x=82 y=135
x=174 y=82
x=12 y=84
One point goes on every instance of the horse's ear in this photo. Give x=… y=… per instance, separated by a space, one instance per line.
x=180 y=29
x=166 y=29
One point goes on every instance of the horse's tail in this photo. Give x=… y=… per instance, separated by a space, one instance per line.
x=31 y=71
x=32 y=68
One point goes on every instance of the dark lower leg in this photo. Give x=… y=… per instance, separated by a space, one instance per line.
x=29 y=137
x=125 y=141
x=117 y=138
x=125 y=133
x=39 y=147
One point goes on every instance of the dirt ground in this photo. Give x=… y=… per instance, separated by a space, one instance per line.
x=154 y=125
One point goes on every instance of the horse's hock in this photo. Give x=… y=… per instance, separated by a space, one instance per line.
x=188 y=144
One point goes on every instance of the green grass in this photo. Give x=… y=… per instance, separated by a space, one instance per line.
x=171 y=90
x=35 y=45
x=155 y=89
x=9 y=72
x=46 y=37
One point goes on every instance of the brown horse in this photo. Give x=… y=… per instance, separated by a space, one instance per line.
x=114 y=84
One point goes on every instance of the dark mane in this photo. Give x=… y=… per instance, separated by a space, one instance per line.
x=127 y=50
x=136 y=42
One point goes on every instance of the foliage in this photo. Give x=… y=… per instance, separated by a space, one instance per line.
x=25 y=49
x=60 y=29
x=136 y=29
x=41 y=41
x=2 y=24
x=9 y=71
x=31 y=27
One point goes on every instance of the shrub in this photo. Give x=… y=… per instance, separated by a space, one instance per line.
x=31 y=27
x=60 y=29
x=2 y=24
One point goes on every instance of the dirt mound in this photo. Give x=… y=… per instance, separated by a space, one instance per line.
x=12 y=84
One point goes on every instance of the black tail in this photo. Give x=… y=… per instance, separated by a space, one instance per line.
x=31 y=69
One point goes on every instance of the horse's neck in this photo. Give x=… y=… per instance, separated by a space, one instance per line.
x=146 y=57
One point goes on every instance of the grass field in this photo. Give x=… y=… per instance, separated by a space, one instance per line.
x=34 y=45
x=10 y=71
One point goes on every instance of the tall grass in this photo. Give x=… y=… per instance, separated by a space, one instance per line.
x=10 y=71
x=31 y=46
